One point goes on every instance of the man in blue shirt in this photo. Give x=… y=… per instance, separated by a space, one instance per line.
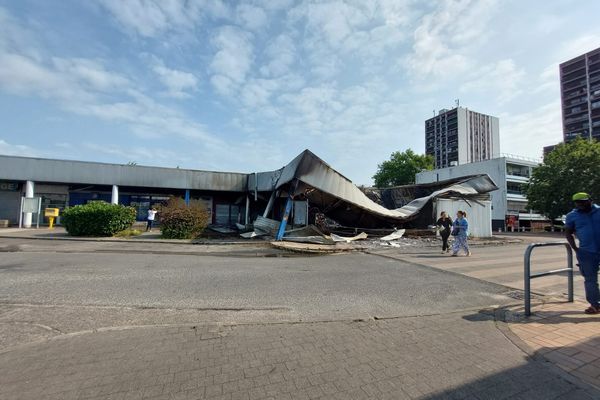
x=584 y=222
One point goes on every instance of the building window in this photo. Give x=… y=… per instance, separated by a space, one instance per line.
x=515 y=188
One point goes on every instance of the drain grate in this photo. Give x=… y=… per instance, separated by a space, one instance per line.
x=515 y=294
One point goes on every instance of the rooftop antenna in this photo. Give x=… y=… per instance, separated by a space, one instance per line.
x=434 y=113
x=457 y=101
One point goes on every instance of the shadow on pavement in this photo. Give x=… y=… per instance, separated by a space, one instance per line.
x=534 y=380
x=527 y=382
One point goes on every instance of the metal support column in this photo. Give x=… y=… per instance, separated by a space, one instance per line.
x=247 y=216
x=29 y=189
x=114 y=197
x=274 y=194
x=288 y=208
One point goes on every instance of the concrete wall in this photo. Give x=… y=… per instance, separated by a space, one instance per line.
x=495 y=168
x=79 y=172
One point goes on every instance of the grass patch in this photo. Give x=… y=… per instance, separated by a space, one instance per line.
x=128 y=233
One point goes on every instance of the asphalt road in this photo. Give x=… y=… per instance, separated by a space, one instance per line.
x=53 y=307
x=326 y=287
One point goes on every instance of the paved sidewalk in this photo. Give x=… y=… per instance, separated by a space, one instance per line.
x=565 y=336
x=498 y=264
x=451 y=356
x=558 y=331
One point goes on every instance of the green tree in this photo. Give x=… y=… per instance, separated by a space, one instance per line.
x=568 y=169
x=401 y=168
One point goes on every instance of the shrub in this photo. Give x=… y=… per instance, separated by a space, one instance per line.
x=97 y=218
x=180 y=221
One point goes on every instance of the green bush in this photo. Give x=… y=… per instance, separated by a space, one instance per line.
x=180 y=221
x=97 y=218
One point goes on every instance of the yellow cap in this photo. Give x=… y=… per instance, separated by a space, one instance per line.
x=581 y=196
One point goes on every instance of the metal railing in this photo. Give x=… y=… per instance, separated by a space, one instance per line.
x=529 y=276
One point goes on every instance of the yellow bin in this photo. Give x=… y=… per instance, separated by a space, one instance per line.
x=51 y=213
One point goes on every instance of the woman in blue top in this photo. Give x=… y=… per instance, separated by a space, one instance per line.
x=460 y=231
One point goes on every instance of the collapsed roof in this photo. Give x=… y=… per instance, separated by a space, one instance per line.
x=307 y=176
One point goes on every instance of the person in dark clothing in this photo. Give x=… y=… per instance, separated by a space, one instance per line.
x=445 y=226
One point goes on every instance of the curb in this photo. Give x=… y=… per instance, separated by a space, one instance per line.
x=152 y=241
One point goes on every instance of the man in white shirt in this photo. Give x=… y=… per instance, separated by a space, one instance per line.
x=151 y=215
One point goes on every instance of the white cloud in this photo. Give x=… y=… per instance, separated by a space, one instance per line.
x=281 y=55
x=17 y=150
x=178 y=83
x=528 y=132
x=139 y=154
x=549 y=23
x=151 y=18
x=87 y=87
x=25 y=76
x=251 y=17
x=365 y=32
x=233 y=59
x=578 y=46
x=274 y=5
x=548 y=80
x=147 y=118
x=90 y=73
x=501 y=80
x=444 y=38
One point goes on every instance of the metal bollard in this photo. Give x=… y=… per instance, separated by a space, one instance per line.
x=528 y=276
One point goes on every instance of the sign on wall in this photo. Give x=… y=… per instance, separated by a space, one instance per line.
x=8 y=186
x=30 y=205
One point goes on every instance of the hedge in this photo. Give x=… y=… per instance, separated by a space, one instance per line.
x=181 y=221
x=97 y=218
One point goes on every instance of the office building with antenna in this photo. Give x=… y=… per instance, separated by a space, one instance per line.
x=461 y=136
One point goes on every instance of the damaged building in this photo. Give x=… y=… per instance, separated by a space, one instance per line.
x=306 y=191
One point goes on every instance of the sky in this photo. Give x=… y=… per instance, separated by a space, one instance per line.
x=245 y=86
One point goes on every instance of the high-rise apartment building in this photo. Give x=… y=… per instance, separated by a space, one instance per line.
x=580 y=95
x=460 y=136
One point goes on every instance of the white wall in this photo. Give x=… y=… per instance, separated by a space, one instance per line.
x=478 y=215
x=463 y=143
x=495 y=137
x=495 y=168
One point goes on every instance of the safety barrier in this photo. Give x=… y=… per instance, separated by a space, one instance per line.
x=529 y=276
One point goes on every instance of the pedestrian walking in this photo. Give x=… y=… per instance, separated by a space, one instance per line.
x=444 y=224
x=150 y=219
x=460 y=231
x=584 y=222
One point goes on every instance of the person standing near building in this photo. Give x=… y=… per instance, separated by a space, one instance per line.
x=584 y=222
x=445 y=226
x=460 y=231
x=150 y=219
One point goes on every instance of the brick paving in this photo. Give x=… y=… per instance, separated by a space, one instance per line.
x=565 y=336
x=451 y=356
x=559 y=331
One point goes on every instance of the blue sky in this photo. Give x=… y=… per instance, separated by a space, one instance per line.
x=245 y=86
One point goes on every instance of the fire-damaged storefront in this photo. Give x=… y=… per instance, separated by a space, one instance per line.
x=307 y=191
